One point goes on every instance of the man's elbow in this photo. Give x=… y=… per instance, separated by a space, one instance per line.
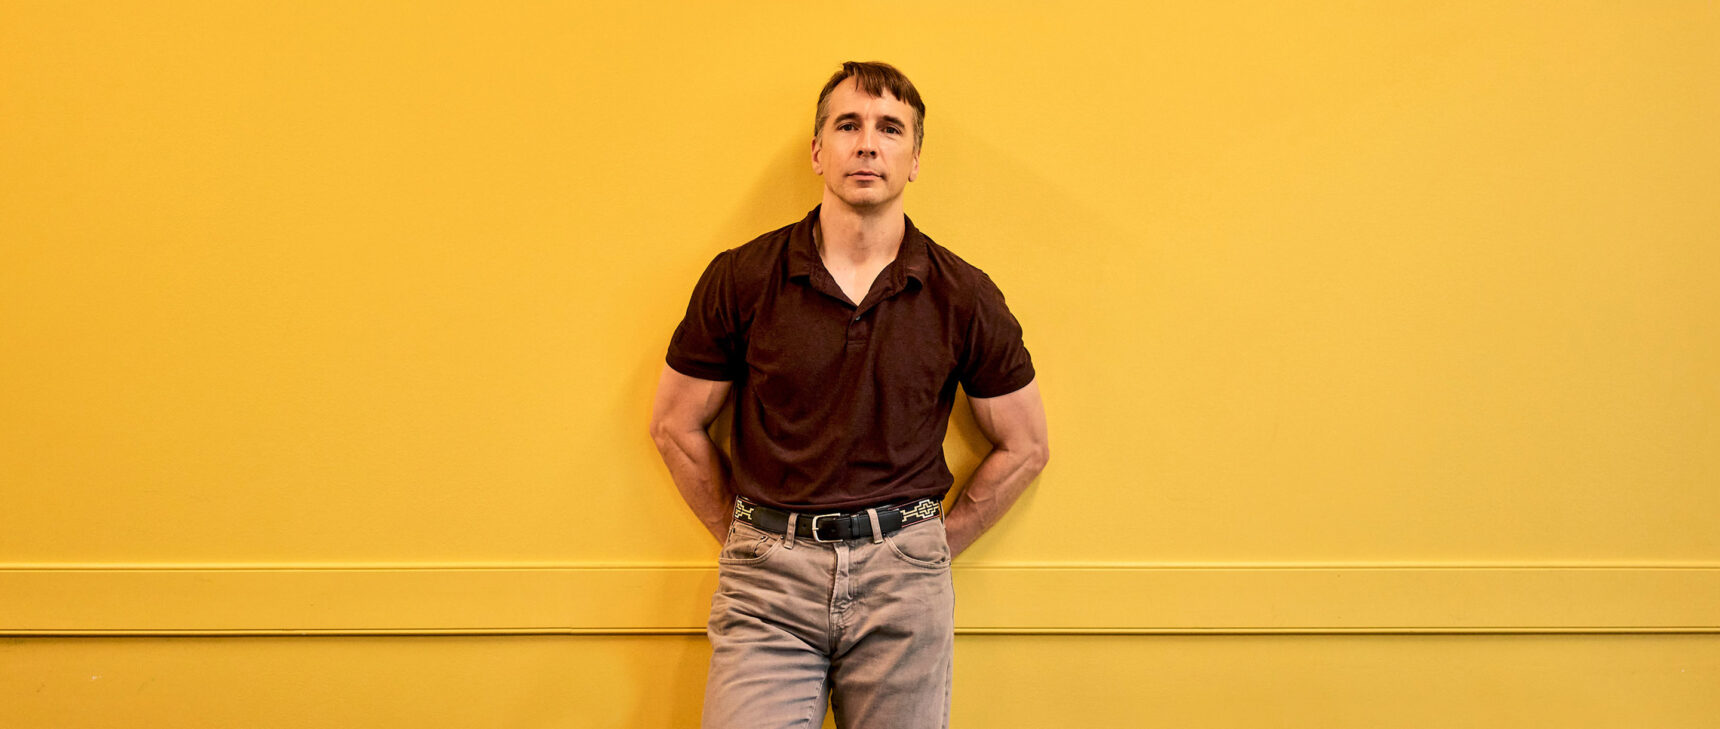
x=1037 y=456
x=662 y=435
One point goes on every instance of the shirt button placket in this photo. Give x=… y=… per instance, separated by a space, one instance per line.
x=859 y=328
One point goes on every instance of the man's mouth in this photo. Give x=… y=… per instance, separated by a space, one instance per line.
x=866 y=174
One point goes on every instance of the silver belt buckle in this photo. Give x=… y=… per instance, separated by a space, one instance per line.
x=815 y=536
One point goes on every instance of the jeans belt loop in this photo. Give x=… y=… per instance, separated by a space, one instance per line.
x=789 y=535
x=877 y=529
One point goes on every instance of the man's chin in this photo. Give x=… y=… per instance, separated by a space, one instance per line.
x=868 y=200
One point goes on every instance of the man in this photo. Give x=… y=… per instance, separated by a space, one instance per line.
x=843 y=338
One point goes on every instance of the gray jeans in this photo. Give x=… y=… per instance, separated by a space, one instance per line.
x=870 y=621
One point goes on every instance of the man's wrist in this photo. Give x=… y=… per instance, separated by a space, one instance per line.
x=960 y=530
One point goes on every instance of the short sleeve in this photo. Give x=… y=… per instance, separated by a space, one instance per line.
x=706 y=345
x=994 y=360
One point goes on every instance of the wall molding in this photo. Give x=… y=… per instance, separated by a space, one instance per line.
x=992 y=599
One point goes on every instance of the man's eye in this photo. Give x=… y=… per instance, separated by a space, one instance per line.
x=892 y=130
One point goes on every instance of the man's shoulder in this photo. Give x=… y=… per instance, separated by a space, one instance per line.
x=954 y=273
x=751 y=265
x=756 y=260
x=947 y=262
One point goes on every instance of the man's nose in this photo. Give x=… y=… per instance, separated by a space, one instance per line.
x=868 y=143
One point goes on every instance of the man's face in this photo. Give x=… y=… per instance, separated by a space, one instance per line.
x=865 y=151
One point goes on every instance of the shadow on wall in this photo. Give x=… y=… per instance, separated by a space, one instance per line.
x=784 y=192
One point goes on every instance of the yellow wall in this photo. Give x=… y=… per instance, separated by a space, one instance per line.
x=1379 y=343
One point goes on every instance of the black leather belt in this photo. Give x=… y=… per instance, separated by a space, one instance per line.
x=837 y=526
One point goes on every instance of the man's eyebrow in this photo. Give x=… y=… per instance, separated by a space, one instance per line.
x=855 y=117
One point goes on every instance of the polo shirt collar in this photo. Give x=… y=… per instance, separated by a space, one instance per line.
x=913 y=259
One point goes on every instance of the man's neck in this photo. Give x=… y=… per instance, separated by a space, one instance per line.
x=857 y=238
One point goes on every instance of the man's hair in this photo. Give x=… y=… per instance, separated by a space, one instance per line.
x=874 y=78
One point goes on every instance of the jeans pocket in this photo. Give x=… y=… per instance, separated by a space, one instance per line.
x=747 y=544
x=923 y=545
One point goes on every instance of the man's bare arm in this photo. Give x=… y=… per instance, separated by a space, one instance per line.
x=1015 y=425
x=684 y=409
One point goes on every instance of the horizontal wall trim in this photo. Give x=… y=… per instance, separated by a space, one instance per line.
x=503 y=632
x=1038 y=599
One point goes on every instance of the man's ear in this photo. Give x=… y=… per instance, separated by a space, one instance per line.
x=914 y=172
x=817 y=146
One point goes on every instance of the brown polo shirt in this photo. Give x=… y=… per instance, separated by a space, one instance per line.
x=838 y=405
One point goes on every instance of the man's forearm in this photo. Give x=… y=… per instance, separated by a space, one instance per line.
x=1000 y=479
x=701 y=474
